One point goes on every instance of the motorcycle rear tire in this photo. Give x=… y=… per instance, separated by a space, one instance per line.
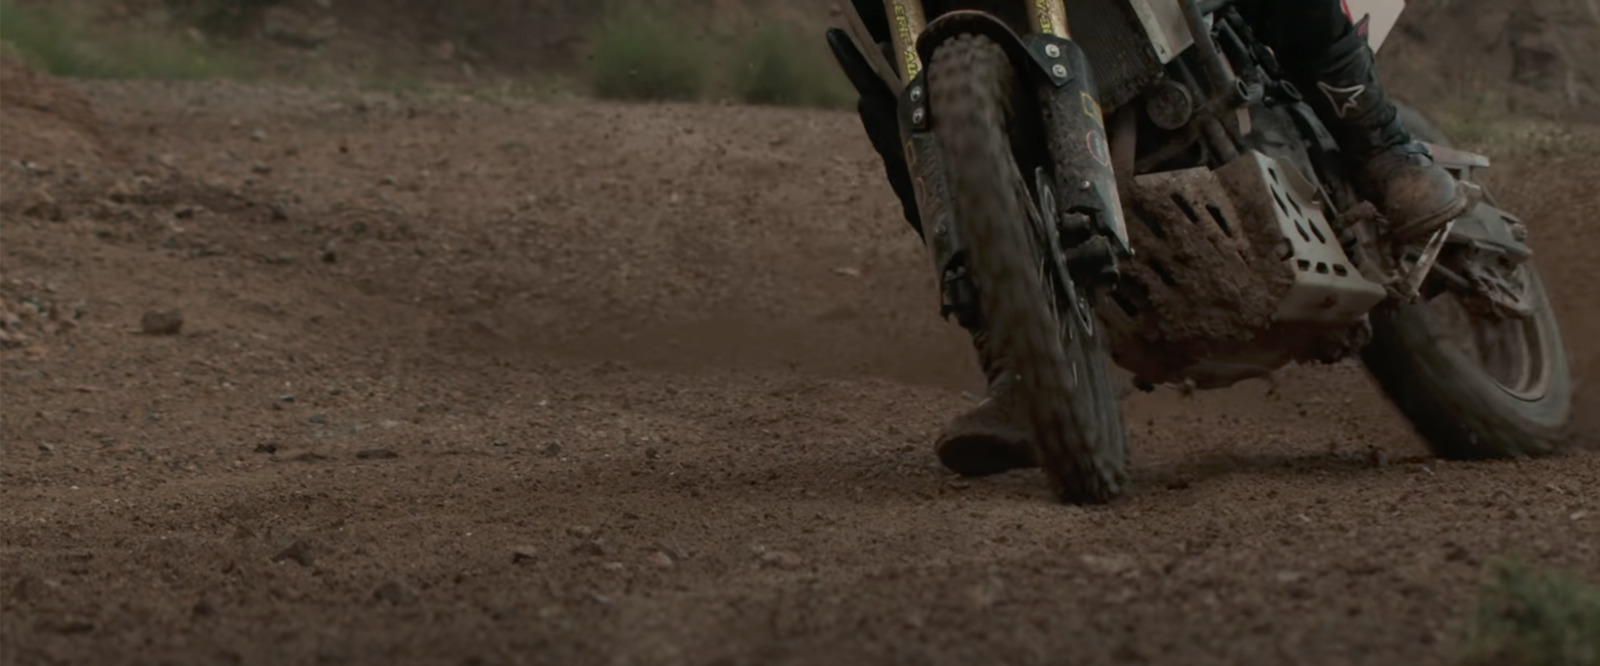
x=1453 y=401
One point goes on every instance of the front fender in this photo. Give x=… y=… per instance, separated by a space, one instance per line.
x=1486 y=227
x=1027 y=54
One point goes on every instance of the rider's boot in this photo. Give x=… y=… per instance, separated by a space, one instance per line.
x=987 y=439
x=992 y=437
x=1394 y=172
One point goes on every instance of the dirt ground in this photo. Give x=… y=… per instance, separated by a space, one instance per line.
x=468 y=381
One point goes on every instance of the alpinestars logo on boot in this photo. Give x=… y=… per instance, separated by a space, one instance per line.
x=1345 y=100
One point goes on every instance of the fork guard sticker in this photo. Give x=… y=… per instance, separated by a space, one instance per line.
x=1091 y=108
x=1098 y=149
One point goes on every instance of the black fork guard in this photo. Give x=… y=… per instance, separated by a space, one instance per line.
x=1089 y=220
x=1085 y=183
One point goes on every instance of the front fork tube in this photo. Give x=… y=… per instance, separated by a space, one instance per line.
x=906 y=22
x=1048 y=17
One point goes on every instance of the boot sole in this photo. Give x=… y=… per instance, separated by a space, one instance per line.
x=1421 y=230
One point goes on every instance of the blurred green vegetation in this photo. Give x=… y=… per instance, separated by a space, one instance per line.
x=1530 y=617
x=639 y=50
x=643 y=53
x=56 y=39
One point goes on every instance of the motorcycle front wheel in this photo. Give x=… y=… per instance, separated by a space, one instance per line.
x=1039 y=320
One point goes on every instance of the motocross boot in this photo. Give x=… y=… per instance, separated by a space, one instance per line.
x=987 y=438
x=990 y=438
x=1394 y=172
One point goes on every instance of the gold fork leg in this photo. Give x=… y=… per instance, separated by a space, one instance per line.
x=906 y=21
x=1049 y=17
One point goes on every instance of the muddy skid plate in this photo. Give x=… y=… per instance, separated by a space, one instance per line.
x=1237 y=272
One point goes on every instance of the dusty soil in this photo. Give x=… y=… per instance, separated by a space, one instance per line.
x=477 y=382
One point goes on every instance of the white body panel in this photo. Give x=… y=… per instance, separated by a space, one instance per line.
x=1169 y=33
x=1381 y=15
x=1164 y=23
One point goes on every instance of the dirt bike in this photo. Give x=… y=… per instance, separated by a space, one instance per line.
x=1031 y=147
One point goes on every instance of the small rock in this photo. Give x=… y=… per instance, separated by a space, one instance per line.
x=123 y=191
x=782 y=559
x=309 y=456
x=847 y=271
x=268 y=448
x=500 y=443
x=524 y=554
x=581 y=531
x=285 y=398
x=184 y=212
x=12 y=340
x=318 y=419
x=329 y=254
x=661 y=560
x=984 y=595
x=1290 y=577
x=38 y=203
x=203 y=608
x=161 y=322
x=376 y=454
x=552 y=450
x=300 y=552
x=1109 y=565
x=68 y=626
x=258 y=135
x=592 y=549
x=278 y=211
x=47 y=448
x=262 y=169
x=445 y=50
x=396 y=592
x=1455 y=552
x=32 y=588
x=614 y=567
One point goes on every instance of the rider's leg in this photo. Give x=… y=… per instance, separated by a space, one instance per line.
x=1331 y=63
